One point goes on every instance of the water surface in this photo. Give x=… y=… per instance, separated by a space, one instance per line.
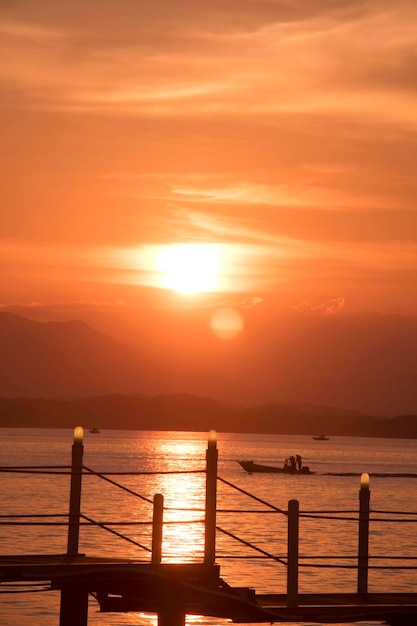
x=337 y=464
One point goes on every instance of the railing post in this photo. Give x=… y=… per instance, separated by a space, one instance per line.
x=75 y=492
x=74 y=598
x=363 y=539
x=171 y=614
x=211 y=499
x=292 y=556
x=157 y=525
x=74 y=606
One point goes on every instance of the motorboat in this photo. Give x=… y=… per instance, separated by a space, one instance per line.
x=94 y=431
x=254 y=468
x=320 y=438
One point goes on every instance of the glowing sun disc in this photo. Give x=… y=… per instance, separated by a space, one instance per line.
x=189 y=268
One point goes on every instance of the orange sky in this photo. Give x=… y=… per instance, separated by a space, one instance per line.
x=285 y=132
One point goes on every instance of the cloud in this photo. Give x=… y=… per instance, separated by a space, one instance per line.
x=222 y=59
x=295 y=195
x=331 y=307
x=249 y=303
x=63 y=307
x=27 y=31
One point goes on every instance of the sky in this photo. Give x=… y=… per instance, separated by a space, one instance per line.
x=179 y=153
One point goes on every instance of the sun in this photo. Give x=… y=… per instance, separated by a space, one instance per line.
x=190 y=268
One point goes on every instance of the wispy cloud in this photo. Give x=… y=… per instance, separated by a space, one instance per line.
x=330 y=307
x=275 y=195
x=362 y=64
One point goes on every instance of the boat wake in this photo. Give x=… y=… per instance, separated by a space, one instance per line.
x=371 y=474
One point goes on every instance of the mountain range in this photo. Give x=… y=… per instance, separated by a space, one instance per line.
x=72 y=360
x=363 y=364
x=185 y=412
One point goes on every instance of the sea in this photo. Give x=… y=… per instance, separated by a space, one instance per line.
x=173 y=465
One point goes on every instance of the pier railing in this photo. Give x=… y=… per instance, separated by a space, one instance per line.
x=292 y=560
x=359 y=560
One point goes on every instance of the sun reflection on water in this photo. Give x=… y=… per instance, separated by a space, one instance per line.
x=184 y=499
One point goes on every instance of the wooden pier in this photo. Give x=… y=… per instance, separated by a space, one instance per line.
x=174 y=590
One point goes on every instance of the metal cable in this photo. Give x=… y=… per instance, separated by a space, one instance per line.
x=114 y=532
x=113 y=482
x=246 y=493
x=250 y=545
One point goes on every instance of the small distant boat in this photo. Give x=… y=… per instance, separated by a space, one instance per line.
x=320 y=438
x=254 y=468
x=94 y=431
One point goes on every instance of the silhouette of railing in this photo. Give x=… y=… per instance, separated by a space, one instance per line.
x=292 y=560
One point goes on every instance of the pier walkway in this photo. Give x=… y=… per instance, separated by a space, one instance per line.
x=174 y=590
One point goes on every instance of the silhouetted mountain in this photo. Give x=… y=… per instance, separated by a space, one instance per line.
x=186 y=412
x=71 y=360
x=366 y=363
x=165 y=412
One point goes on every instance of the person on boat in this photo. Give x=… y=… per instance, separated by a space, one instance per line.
x=293 y=463
x=299 y=462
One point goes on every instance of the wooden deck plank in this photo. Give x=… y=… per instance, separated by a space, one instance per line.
x=61 y=567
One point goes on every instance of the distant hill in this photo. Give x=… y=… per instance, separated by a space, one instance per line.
x=192 y=413
x=366 y=363
x=72 y=360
